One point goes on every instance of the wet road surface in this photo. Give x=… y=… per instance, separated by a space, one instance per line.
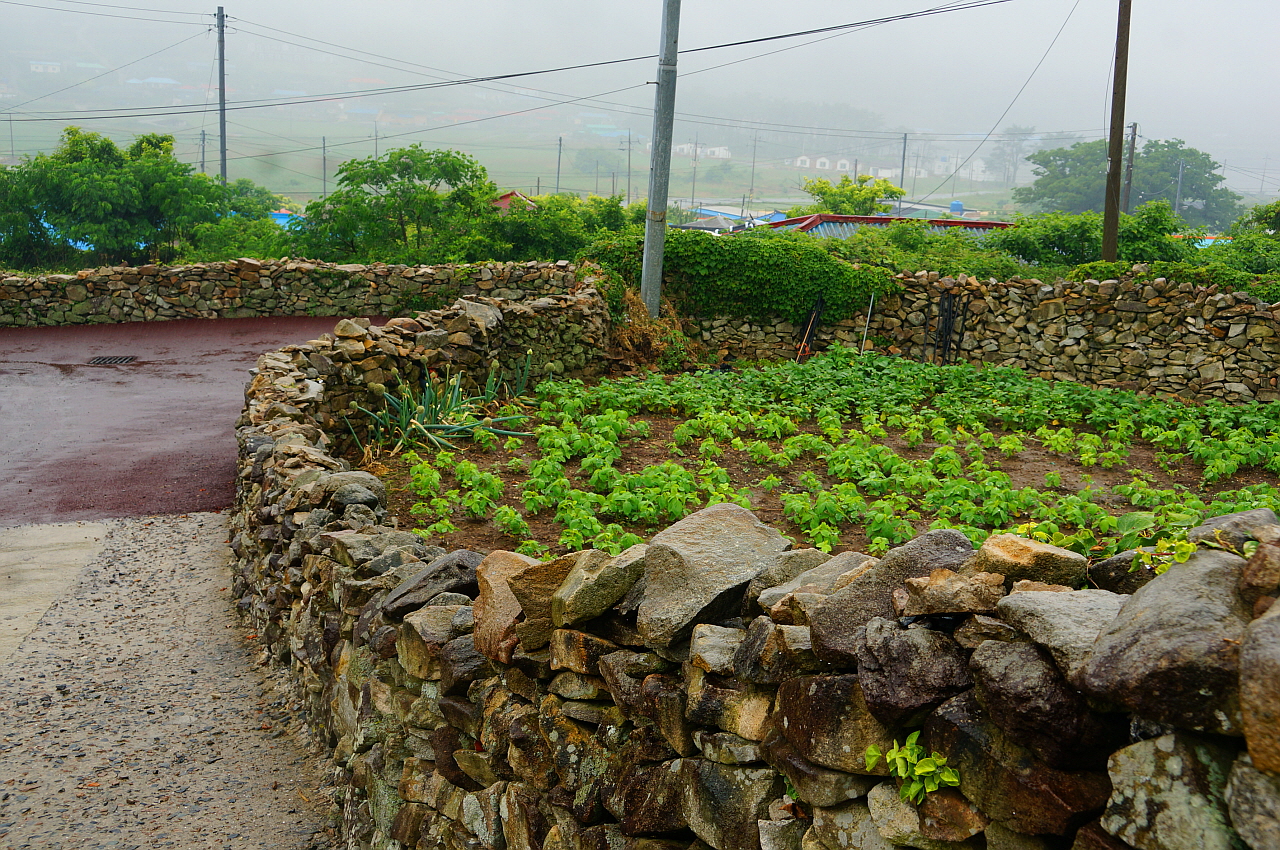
x=155 y=436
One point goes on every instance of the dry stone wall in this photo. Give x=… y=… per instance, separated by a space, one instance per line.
x=247 y=288
x=1154 y=336
x=717 y=688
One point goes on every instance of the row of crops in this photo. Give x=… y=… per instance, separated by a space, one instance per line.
x=849 y=447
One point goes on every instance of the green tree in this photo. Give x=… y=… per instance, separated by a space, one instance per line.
x=132 y=204
x=409 y=205
x=248 y=199
x=1074 y=180
x=860 y=196
x=1056 y=240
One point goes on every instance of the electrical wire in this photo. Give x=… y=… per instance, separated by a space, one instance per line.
x=15 y=107
x=107 y=14
x=1008 y=108
x=139 y=111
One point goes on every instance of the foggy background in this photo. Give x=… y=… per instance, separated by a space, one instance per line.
x=1200 y=72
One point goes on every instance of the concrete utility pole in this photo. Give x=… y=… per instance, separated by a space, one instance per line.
x=202 y=151
x=1177 y=203
x=559 y=154
x=664 y=114
x=324 y=167
x=904 y=170
x=1115 y=147
x=222 y=90
x=1128 y=166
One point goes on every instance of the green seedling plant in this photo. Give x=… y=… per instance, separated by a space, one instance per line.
x=918 y=774
x=823 y=440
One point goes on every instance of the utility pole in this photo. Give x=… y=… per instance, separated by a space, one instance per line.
x=693 y=193
x=597 y=177
x=613 y=191
x=1177 y=203
x=755 y=142
x=222 y=91
x=324 y=167
x=904 y=171
x=1115 y=141
x=628 y=166
x=375 y=139
x=538 y=191
x=664 y=114
x=202 y=134
x=559 y=153
x=1128 y=166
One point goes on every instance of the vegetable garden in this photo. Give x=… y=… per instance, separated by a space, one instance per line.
x=841 y=451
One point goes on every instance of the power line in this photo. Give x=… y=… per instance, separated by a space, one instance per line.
x=106 y=14
x=103 y=74
x=130 y=8
x=1008 y=108
x=158 y=110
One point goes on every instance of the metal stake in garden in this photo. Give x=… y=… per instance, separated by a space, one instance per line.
x=664 y=113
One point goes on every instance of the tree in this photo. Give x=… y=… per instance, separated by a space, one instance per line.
x=131 y=204
x=248 y=199
x=409 y=205
x=850 y=196
x=1151 y=234
x=558 y=227
x=1074 y=180
x=1008 y=153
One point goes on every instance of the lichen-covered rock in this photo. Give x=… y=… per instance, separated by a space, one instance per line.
x=1233 y=530
x=595 y=584
x=698 y=570
x=712 y=648
x=771 y=653
x=733 y=706
x=497 y=610
x=723 y=804
x=1172 y=654
x=1253 y=800
x=845 y=827
x=1066 y=624
x=1027 y=696
x=869 y=592
x=533 y=588
x=947 y=592
x=1018 y=558
x=822 y=577
x=786 y=567
x=1168 y=794
x=906 y=673
x=1260 y=689
x=1004 y=780
x=826 y=720
x=815 y=785
x=899 y=821
x=578 y=651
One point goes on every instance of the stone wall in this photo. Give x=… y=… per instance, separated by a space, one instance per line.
x=715 y=688
x=246 y=288
x=323 y=383
x=1154 y=336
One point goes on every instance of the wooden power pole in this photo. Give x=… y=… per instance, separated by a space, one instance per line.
x=1115 y=140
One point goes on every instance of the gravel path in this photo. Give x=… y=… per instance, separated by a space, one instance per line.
x=136 y=714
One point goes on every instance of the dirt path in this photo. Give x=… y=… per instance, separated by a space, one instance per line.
x=135 y=715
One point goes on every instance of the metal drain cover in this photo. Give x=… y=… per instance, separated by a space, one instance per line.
x=115 y=360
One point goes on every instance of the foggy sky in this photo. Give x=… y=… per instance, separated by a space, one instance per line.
x=1199 y=71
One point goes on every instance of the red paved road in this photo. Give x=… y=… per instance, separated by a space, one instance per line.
x=81 y=442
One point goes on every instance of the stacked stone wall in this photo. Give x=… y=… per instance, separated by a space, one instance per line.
x=1153 y=336
x=716 y=688
x=248 y=288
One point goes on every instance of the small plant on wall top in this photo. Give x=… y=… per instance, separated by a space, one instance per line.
x=919 y=774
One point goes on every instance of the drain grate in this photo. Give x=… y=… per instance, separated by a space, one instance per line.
x=115 y=360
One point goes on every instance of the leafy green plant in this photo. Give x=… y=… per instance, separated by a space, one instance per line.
x=917 y=773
